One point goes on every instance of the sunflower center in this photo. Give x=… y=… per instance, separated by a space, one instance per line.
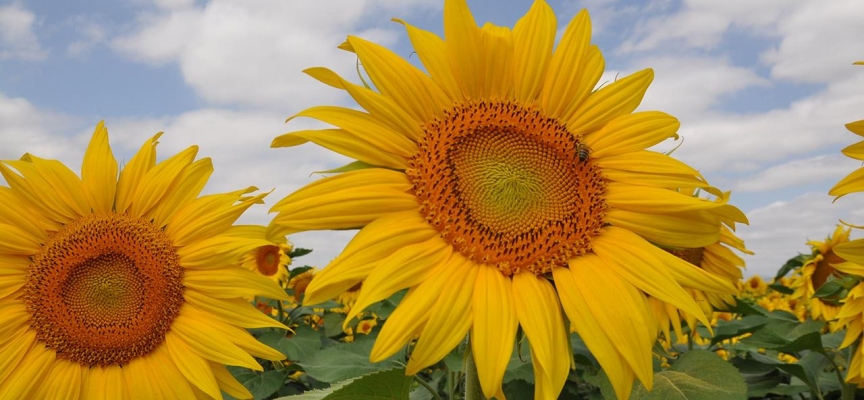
x=507 y=186
x=824 y=269
x=267 y=260
x=104 y=289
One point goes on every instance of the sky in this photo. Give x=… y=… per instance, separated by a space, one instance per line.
x=762 y=89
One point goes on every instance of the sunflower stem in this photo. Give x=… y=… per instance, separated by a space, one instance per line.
x=473 y=391
x=428 y=387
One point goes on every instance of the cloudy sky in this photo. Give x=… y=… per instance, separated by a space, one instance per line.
x=762 y=89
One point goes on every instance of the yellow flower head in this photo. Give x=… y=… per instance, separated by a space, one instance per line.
x=300 y=282
x=817 y=269
x=496 y=171
x=271 y=259
x=124 y=287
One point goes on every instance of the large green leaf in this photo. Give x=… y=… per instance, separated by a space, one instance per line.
x=696 y=375
x=347 y=360
x=381 y=385
x=260 y=384
x=305 y=342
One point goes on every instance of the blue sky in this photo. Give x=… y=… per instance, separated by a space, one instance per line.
x=762 y=89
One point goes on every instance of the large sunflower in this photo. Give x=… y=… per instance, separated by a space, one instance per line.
x=500 y=187
x=121 y=288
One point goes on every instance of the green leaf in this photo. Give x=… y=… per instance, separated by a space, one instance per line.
x=299 y=252
x=697 y=375
x=793 y=263
x=601 y=381
x=261 y=384
x=304 y=343
x=829 y=289
x=520 y=367
x=299 y=270
x=333 y=324
x=737 y=327
x=381 y=385
x=345 y=361
x=777 y=287
x=788 y=337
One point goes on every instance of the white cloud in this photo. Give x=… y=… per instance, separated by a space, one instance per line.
x=781 y=230
x=17 y=40
x=90 y=33
x=252 y=52
x=27 y=129
x=691 y=85
x=820 y=40
x=825 y=168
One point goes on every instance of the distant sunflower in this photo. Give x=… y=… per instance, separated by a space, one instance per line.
x=817 y=269
x=500 y=188
x=270 y=259
x=124 y=287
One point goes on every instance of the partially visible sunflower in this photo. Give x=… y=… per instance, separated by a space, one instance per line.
x=124 y=287
x=817 y=269
x=496 y=174
x=851 y=317
x=271 y=259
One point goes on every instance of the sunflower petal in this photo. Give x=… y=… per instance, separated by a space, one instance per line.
x=539 y=314
x=564 y=88
x=99 y=171
x=193 y=367
x=609 y=102
x=449 y=320
x=463 y=39
x=433 y=54
x=494 y=327
x=133 y=172
x=533 y=38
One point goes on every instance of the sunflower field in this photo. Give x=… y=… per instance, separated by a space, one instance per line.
x=517 y=237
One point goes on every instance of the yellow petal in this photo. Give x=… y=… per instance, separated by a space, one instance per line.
x=494 y=327
x=38 y=193
x=632 y=132
x=141 y=382
x=99 y=171
x=654 y=200
x=209 y=215
x=407 y=267
x=345 y=143
x=163 y=368
x=232 y=281
x=133 y=172
x=396 y=78
x=596 y=339
x=539 y=315
x=63 y=382
x=852 y=251
x=371 y=245
x=364 y=127
x=187 y=187
x=676 y=230
x=193 y=367
x=228 y=383
x=647 y=162
x=28 y=373
x=449 y=320
x=498 y=61
x=413 y=312
x=381 y=107
x=16 y=213
x=17 y=242
x=234 y=311
x=627 y=254
x=628 y=323
x=851 y=183
x=433 y=54
x=158 y=181
x=609 y=102
x=533 y=37
x=206 y=343
x=463 y=39
x=565 y=87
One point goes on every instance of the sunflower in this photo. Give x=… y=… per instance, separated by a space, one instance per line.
x=124 y=287
x=815 y=271
x=271 y=259
x=851 y=317
x=503 y=191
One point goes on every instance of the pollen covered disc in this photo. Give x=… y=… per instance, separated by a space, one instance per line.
x=267 y=260
x=104 y=289
x=508 y=186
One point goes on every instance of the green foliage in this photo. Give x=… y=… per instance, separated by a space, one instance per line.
x=381 y=385
x=696 y=375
